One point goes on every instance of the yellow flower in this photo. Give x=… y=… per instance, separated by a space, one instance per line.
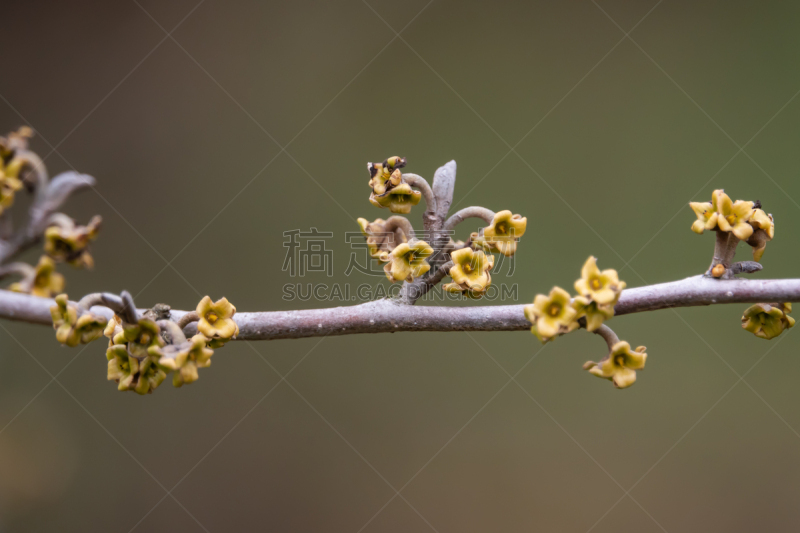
x=45 y=283
x=733 y=216
x=216 y=319
x=620 y=366
x=399 y=199
x=378 y=239
x=184 y=359
x=594 y=313
x=407 y=261
x=501 y=236
x=9 y=185
x=122 y=366
x=706 y=216
x=71 y=244
x=767 y=321
x=470 y=272
x=139 y=337
x=602 y=287
x=149 y=377
x=73 y=328
x=384 y=176
x=142 y=376
x=551 y=315
x=763 y=232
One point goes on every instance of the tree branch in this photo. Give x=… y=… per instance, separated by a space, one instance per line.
x=388 y=316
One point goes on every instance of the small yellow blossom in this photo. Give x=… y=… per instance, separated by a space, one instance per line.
x=602 y=287
x=594 y=313
x=733 y=216
x=71 y=244
x=216 y=319
x=384 y=176
x=122 y=366
x=45 y=282
x=551 y=315
x=767 y=321
x=150 y=376
x=378 y=239
x=141 y=375
x=763 y=232
x=407 y=261
x=73 y=328
x=184 y=359
x=470 y=272
x=399 y=199
x=706 y=216
x=9 y=185
x=502 y=234
x=620 y=366
x=139 y=337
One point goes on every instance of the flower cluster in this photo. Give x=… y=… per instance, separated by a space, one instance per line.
x=130 y=363
x=767 y=321
x=63 y=240
x=141 y=355
x=184 y=359
x=142 y=352
x=745 y=220
x=406 y=257
x=557 y=314
x=598 y=292
x=473 y=262
x=75 y=326
x=620 y=365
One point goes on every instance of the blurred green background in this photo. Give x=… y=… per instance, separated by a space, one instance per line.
x=612 y=138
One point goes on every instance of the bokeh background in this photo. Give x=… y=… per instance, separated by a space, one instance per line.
x=214 y=128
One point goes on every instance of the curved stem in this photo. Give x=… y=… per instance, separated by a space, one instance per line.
x=395 y=222
x=608 y=335
x=422 y=184
x=128 y=312
x=23 y=269
x=34 y=166
x=121 y=305
x=469 y=212
x=187 y=319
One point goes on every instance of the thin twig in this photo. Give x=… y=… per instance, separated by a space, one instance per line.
x=187 y=319
x=608 y=335
x=422 y=184
x=395 y=222
x=469 y=212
